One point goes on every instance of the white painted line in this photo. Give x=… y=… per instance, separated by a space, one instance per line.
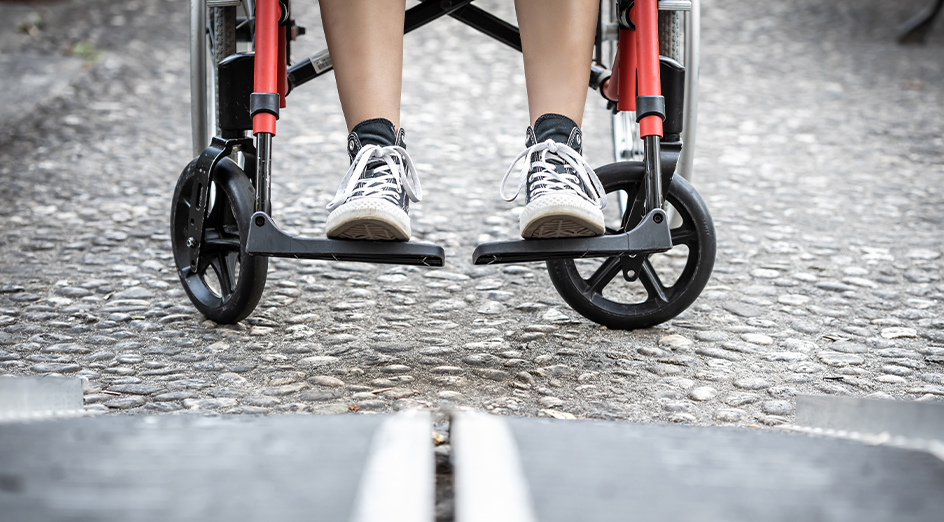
x=490 y=485
x=399 y=477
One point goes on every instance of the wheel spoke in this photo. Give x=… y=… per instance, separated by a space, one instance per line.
x=650 y=280
x=684 y=235
x=221 y=244
x=225 y=265
x=603 y=275
x=203 y=264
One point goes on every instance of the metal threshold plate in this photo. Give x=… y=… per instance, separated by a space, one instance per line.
x=191 y=467
x=24 y=397
x=915 y=419
x=603 y=471
x=267 y=239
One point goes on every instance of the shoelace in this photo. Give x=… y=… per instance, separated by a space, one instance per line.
x=551 y=180
x=395 y=175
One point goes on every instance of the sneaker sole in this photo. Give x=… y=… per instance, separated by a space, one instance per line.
x=370 y=219
x=560 y=216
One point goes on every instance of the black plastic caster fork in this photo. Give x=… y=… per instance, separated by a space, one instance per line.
x=227 y=283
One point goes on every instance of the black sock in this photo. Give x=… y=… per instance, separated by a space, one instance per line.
x=376 y=131
x=558 y=128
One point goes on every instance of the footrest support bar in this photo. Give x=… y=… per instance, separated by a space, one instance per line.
x=266 y=239
x=649 y=237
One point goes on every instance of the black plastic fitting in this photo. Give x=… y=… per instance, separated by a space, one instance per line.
x=234 y=76
x=673 y=89
x=623 y=7
x=598 y=75
x=286 y=14
x=264 y=102
x=650 y=106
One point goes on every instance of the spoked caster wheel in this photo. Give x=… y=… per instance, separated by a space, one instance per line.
x=228 y=283
x=622 y=293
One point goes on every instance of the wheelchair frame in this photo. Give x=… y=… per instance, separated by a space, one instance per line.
x=635 y=86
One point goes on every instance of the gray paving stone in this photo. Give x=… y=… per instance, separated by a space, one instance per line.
x=751 y=383
x=840 y=359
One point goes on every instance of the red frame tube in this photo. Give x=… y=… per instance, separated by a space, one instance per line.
x=626 y=74
x=266 y=67
x=610 y=87
x=636 y=66
x=646 y=20
x=283 y=67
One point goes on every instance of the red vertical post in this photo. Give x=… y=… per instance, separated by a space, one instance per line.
x=266 y=66
x=283 y=66
x=610 y=88
x=646 y=20
x=627 y=70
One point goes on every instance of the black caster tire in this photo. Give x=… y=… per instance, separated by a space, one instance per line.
x=228 y=282
x=597 y=288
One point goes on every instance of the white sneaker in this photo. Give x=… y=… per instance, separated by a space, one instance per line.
x=564 y=197
x=374 y=197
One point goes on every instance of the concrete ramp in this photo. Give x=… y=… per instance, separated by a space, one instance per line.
x=604 y=471
x=285 y=468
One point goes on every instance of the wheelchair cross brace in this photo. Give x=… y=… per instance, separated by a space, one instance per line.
x=416 y=17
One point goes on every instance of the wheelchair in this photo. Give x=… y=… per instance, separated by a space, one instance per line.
x=645 y=67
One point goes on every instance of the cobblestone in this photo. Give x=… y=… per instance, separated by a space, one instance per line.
x=827 y=278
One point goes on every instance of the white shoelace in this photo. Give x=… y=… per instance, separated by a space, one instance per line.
x=550 y=180
x=395 y=175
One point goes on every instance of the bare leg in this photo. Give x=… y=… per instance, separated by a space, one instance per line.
x=557 y=40
x=365 y=38
x=564 y=198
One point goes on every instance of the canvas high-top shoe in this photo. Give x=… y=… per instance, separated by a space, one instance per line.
x=563 y=196
x=374 y=197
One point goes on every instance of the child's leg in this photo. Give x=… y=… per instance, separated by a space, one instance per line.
x=557 y=41
x=365 y=38
x=563 y=196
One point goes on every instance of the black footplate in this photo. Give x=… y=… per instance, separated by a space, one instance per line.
x=650 y=236
x=266 y=239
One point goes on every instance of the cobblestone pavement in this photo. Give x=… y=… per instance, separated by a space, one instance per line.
x=819 y=154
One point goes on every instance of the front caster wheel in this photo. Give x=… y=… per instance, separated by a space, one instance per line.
x=625 y=293
x=228 y=282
